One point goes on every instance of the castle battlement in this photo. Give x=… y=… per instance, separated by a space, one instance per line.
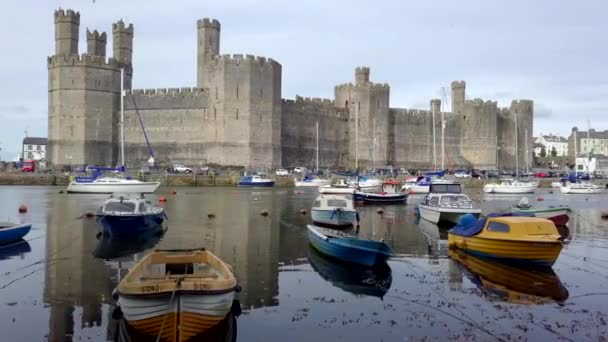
x=313 y=100
x=67 y=16
x=168 y=91
x=95 y=35
x=369 y=85
x=458 y=84
x=83 y=60
x=240 y=59
x=411 y=116
x=120 y=27
x=207 y=22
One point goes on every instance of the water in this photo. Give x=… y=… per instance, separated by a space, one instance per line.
x=54 y=287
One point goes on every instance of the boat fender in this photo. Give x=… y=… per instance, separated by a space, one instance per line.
x=23 y=208
x=357 y=216
x=380 y=211
x=162 y=199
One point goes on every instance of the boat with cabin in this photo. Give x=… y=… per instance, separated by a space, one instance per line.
x=176 y=294
x=255 y=181
x=525 y=240
x=11 y=232
x=574 y=185
x=310 y=181
x=340 y=187
x=339 y=245
x=390 y=193
x=510 y=186
x=97 y=183
x=121 y=215
x=334 y=210
x=556 y=213
x=446 y=203
x=366 y=184
x=422 y=184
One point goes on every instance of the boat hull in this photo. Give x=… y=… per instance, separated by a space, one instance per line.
x=365 y=197
x=362 y=252
x=14 y=233
x=256 y=184
x=496 y=189
x=313 y=183
x=107 y=188
x=580 y=191
x=336 y=191
x=436 y=215
x=337 y=218
x=130 y=224
x=538 y=253
x=559 y=214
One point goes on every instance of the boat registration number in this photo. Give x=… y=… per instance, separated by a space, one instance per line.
x=201 y=286
x=150 y=288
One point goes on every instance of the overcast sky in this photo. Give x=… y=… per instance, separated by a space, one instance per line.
x=553 y=52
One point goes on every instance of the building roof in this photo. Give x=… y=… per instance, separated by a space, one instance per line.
x=593 y=134
x=555 y=138
x=538 y=145
x=34 y=141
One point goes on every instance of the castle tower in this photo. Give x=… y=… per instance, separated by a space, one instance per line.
x=458 y=92
x=368 y=106
x=122 y=37
x=83 y=98
x=208 y=32
x=524 y=110
x=435 y=106
x=66 y=32
x=96 y=43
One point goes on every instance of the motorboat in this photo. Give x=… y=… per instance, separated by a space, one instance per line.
x=511 y=283
x=310 y=181
x=575 y=186
x=334 y=210
x=391 y=193
x=423 y=184
x=11 y=232
x=255 y=181
x=526 y=240
x=365 y=184
x=97 y=183
x=345 y=247
x=556 y=213
x=340 y=187
x=446 y=203
x=176 y=294
x=120 y=215
x=510 y=186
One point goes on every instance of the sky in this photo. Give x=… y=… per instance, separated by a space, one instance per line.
x=553 y=52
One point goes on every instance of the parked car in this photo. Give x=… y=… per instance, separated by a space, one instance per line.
x=203 y=170
x=28 y=166
x=299 y=169
x=462 y=174
x=542 y=174
x=492 y=173
x=282 y=172
x=475 y=174
x=181 y=169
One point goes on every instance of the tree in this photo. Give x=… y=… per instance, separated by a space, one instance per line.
x=543 y=152
x=553 y=152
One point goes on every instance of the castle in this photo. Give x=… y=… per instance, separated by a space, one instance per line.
x=235 y=116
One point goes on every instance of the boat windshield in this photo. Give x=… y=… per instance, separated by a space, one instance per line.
x=336 y=203
x=446 y=188
x=455 y=201
x=121 y=207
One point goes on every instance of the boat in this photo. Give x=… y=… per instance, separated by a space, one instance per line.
x=446 y=203
x=340 y=187
x=556 y=213
x=509 y=283
x=96 y=183
x=345 y=247
x=519 y=239
x=389 y=194
x=366 y=184
x=310 y=181
x=576 y=186
x=423 y=184
x=255 y=181
x=334 y=210
x=176 y=294
x=121 y=215
x=11 y=232
x=510 y=186
x=359 y=280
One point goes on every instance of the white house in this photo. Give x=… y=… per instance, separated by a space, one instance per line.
x=553 y=141
x=34 y=148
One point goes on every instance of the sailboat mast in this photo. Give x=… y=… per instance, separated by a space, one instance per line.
x=575 y=166
x=516 y=147
x=442 y=140
x=357 y=136
x=588 y=144
x=434 y=145
x=374 y=146
x=527 y=165
x=122 y=117
x=317 y=152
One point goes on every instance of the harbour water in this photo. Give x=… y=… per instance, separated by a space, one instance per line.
x=58 y=284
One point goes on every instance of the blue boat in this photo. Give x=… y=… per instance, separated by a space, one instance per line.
x=129 y=216
x=348 y=248
x=255 y=181
x=334 y=211
x=10 y=232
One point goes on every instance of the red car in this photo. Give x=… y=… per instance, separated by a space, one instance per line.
x=542 y=174
x=28 y=166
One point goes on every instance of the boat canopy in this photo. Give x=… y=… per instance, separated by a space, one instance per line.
x=469 y=225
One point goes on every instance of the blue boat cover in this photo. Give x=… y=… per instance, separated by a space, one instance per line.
x=469 y=225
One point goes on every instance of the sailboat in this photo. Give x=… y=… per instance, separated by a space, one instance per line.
x=513 y=186
x=98 y=184
x=574 y=185
x=309 y=180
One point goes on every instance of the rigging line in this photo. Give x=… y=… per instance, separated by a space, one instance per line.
x=18 y=242
x=20 y=278
x=471 y=321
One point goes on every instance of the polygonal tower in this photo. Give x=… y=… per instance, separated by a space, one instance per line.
x=458 y=93
x=96 y=43
x=66 y=32
x=208 y=45
x=368 y=106
x=122 y=36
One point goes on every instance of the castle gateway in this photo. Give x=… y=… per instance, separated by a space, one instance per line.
x=235 y=115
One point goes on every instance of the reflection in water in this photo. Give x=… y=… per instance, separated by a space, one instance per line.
x=183 y=327
x=508 y=283
x=352 y=278
x=15 y=248
x=110 y=247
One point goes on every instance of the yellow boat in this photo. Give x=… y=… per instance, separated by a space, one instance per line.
x=177 y=294
x=509 y=283
x=526 y=240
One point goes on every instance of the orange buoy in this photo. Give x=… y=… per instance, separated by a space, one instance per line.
x=605 y=215
x=173 y=192
x=162 y=199
x=89 y=213
x=23 y=208
x=539 y=198
x=411 y=192
x=380 y=211
x=264 y=212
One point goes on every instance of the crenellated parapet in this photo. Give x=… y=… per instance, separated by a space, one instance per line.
x=96 y=43
x=167 y=99
x=184 y=91
x=208 y=23
x=411 y=116
x=67 y=16
x=245 y=60
x=83 y=60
